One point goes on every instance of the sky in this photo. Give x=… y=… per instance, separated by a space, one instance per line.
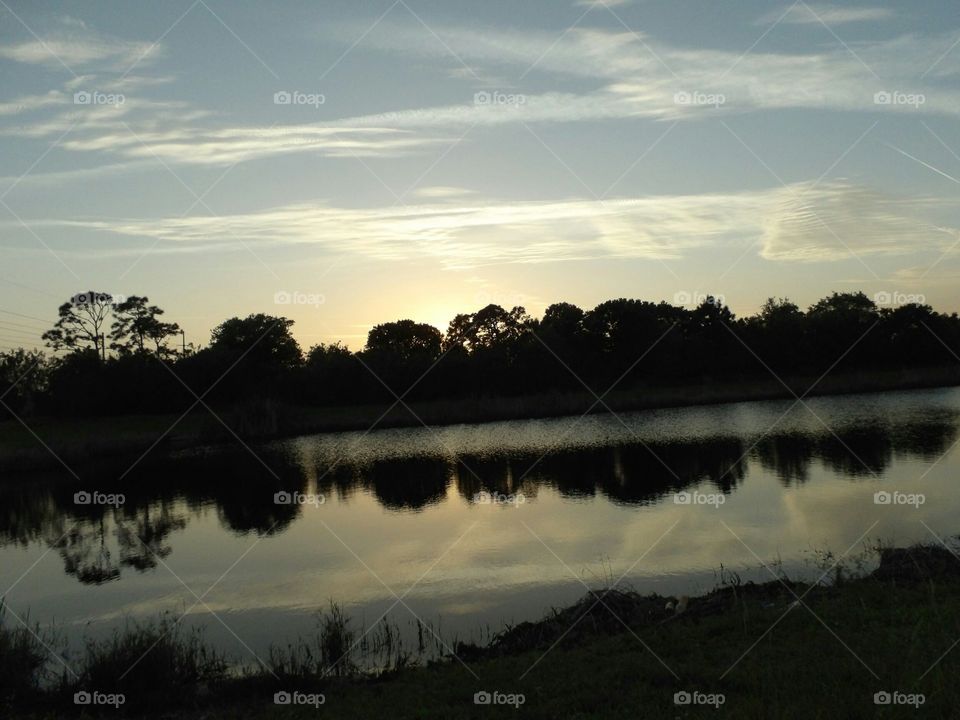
x=346 y=163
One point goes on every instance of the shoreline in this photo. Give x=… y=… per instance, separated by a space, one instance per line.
x=778 y=649
x=86 y=441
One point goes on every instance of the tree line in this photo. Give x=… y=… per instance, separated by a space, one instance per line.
x=121 y=356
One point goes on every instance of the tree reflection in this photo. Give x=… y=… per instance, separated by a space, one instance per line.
x=97 y=544
x=143 y=537
x=86 y=555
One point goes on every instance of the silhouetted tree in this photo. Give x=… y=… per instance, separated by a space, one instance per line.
x=778 y=334
x=561 y=332
x=835 y=323
x=265 y=339
x=564 y=319
x=399 y=353
x=24 y=376
x=137 y=328
x=916 y=335
x=247 y=357
x=331 y=375
x=492 y=352
x=405 y=340
x=81 y=323
x=488 y=328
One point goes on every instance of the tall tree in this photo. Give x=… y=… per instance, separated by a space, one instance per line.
x=260 y=339
x=81 y=323
x=563 y=318
x=137 y=325
x=405 y=340
x=488 y=328
x=836 y=323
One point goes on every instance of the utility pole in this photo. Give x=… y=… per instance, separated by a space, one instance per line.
x=183 y=336
x=103 y=347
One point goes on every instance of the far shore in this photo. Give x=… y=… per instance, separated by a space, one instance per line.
x=43 y=443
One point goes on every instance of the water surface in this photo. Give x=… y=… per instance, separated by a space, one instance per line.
x=589 y=500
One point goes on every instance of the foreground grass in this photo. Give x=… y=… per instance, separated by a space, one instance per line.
x=799 y=669
x=767 y=656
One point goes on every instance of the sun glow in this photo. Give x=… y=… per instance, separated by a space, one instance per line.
x=437 y=315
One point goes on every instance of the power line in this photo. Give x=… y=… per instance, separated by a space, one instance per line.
x=27 y=287
x=21 y=328
x=22 y=325
x=38 y=331
x=16 y=335
x=20 y=336
x=29 y=317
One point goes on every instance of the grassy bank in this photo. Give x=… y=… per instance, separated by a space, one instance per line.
x=82 y=440
x=752 y=646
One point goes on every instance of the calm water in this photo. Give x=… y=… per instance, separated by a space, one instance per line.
x=592 y=499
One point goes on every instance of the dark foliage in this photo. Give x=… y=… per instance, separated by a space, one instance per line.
x=494 y=352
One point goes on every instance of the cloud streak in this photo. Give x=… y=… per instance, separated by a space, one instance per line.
x=799 y=223
x=78 y=48
x=604 y=75
x=814 y=14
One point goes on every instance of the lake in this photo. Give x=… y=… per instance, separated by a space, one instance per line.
x=477 y=526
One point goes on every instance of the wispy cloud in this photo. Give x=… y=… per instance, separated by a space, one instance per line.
x=634 y=75
x=75 y=175
x=30 y=103
x=78 y=48
x=605 y=75
x=442 y=192
x=232 y=145
x=602 y=3
x=801 y=222
x=832 y=221
x=815 y=14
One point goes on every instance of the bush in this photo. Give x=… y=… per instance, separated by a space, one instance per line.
x=23 y=659
x=151 y=661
